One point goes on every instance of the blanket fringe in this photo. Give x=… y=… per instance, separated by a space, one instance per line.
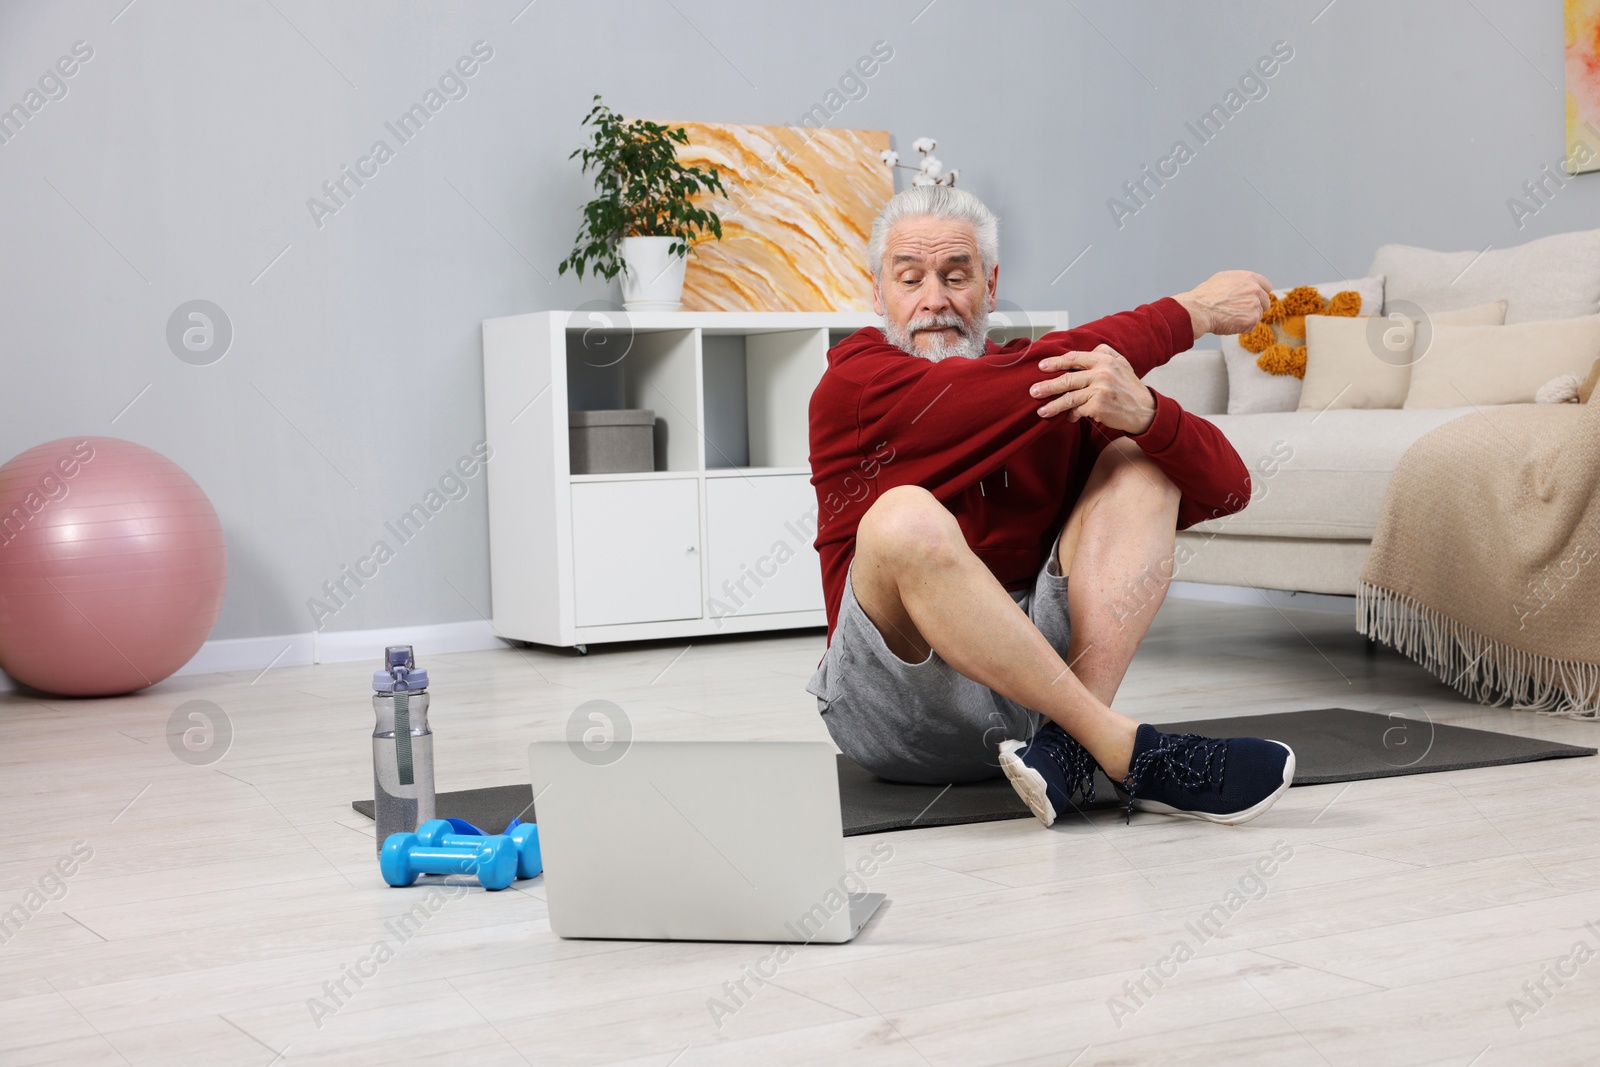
x=1476 y=666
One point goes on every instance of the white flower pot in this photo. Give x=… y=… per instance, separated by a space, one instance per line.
x=654 y=278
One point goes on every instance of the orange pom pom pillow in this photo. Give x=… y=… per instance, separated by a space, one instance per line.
x=1266 y=364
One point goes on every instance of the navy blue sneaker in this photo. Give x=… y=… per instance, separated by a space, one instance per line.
x=1226 y=780
x=1048 y=770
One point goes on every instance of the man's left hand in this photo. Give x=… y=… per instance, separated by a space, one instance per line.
x=1099 y=385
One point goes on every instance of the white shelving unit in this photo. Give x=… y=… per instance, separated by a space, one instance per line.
x=718 y=538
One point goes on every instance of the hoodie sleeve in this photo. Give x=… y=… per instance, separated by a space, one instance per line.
x=959 y=419
x=1197 y=458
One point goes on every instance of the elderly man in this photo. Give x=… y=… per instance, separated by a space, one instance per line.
x=973 y=598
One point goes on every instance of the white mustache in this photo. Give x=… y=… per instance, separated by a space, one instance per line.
x=969 y=343
x=937 y=322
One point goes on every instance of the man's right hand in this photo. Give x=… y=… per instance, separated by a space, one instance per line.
x=1230 y=301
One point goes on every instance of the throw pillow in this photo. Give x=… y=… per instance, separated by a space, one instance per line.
x=1480 y=365
x=1562 y=389
x=1552 y=278
x=1251 y=389
x=1366 y=362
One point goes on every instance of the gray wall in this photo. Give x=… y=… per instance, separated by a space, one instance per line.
x=179 y=162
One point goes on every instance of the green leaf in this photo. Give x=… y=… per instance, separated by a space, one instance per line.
x=642 y=191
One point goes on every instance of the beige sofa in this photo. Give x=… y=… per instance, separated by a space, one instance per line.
x=1317 y=485
x=1319 y=478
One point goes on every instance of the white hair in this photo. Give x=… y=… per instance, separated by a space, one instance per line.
x=939 y=201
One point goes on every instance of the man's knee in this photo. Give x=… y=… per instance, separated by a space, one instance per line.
x=1128 y=472
x=907 y=524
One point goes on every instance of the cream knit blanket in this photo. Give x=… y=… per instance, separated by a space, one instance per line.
x=1485 y=567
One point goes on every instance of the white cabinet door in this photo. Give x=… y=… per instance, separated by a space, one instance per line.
x=636 y=551
x=759 y=531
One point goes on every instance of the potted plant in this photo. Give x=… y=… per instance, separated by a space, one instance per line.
x=643 y=223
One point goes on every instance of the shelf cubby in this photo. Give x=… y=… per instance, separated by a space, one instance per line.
x=657 y=370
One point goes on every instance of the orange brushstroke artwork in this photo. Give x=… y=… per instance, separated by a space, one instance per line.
x=1583 y=85
x=796 y=221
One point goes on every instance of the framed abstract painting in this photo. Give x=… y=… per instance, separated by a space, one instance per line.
x=1583 y=86
x=796 y=221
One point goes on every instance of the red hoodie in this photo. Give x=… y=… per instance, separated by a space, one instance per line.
x=967 y=431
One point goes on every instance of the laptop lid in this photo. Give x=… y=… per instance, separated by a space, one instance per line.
x=692 y=840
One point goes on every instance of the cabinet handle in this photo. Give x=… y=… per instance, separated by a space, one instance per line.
x=691 y=548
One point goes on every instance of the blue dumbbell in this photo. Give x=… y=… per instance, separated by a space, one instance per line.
x=455 y=832
x=492 y=859
x=530 y=861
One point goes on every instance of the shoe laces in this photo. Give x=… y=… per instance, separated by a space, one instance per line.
x=1190 y=760
x=1074 y=760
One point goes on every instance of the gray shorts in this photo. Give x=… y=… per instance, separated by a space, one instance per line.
x=925 y=722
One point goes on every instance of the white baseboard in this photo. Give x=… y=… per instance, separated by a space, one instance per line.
x=342 y=646
x=345 y=646
x=243 y=653
x=338 y=646
x=1244 y=594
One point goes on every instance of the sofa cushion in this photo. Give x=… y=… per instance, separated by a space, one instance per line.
x=1320 y=474
x=1251 y=390
x=1196 y=379
x=1552 y=278
x=1366 y=362
x=1501 y=364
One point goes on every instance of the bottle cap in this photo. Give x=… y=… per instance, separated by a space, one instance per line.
x=399 y=664
x=383 y=681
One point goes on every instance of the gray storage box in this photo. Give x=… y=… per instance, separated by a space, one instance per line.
x=612 y=442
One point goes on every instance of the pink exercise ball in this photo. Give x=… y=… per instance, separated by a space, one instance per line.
x=112 y=567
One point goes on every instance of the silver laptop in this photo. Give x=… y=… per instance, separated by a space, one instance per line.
x=697 y=840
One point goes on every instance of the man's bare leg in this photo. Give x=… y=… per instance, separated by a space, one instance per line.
x=923 y=588
x=1117 y=547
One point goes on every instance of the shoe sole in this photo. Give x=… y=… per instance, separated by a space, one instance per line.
x=1232 y=818
x=1028 y=783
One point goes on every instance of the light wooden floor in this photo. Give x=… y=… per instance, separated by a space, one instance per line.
x=219 y=899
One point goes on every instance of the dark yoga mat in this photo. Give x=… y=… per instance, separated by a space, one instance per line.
x=1330 y=745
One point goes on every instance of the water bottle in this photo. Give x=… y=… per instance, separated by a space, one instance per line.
x=402 y=745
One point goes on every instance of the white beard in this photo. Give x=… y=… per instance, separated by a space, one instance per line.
x=970 y=345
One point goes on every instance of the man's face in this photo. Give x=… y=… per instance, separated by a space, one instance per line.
x=933 y=293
